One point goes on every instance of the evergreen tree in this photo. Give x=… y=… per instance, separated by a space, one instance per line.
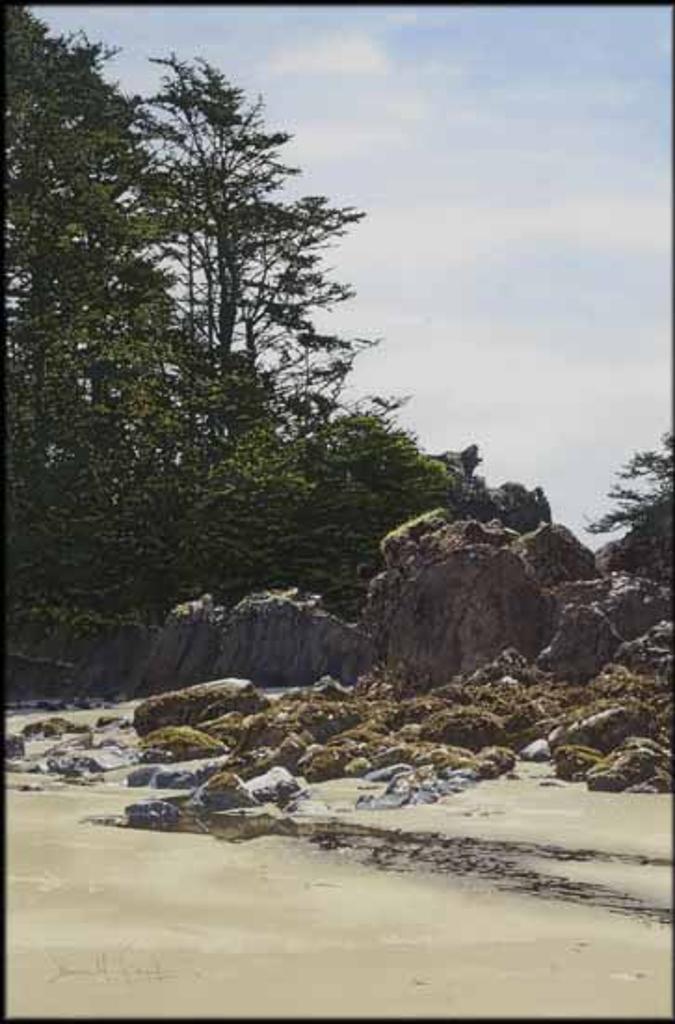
x=648 y=510
x=86 y=309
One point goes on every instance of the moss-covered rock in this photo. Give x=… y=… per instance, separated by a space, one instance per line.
x=326 y=719
x=325 y=763
x=195 y=704
x=418 y=710
x=555 y=555
x=226 y=729
x=224 y=791
x=183 y=743
x=357 y=767
x=52 y=728
x=573 y=762
x=602 y=727
x=495 y=761
x=638 y=761
x=370 y=732
x=443 y=757
x=469 y=727
x=395 y=541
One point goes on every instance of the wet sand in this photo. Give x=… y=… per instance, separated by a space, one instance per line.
x=105 y=922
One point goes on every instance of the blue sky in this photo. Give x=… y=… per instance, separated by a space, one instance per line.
x=514 y=164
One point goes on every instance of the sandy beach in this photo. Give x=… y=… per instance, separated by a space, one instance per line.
x=109 y=922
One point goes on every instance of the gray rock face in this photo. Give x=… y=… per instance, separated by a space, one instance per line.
x=594 y=617
x=555 y=555
x=278 y=638
x=584 y=641
x=648 y=555
x=186 y=649
x=469 y=497
x=651 y=652
x=60 y=663
x=274 y=638
x=452 y=601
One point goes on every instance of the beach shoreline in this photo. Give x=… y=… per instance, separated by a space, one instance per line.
x=111 y=922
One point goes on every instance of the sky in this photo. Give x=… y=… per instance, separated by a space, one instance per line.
x=514 y=164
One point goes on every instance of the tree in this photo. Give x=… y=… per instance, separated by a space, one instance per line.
x=249 y=274
x=87 y=315
x=176 y=421
x=648 y=510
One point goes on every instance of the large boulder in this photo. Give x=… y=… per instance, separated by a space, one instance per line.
x=573 y=761
x=452 y=600
x=555 y=555
x=639 y=553
x=153 y=814
x=195 y=704
x=584 y=641
x=605 y=729
x=282 y=638
x=638 y=765
x=651 y=653
x=49 y=728
x=593 y=618
x=633 y=604
x=276 y=786
x=182 y=742
x=224 y=791
x=468 y=727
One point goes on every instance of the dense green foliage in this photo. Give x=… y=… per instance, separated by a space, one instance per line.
x=175 y=421
x=647 y=509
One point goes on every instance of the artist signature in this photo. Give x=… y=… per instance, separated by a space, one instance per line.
x=109 y=967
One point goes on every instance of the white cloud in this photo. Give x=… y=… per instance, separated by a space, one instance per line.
x=344 y=54
x=436 y=236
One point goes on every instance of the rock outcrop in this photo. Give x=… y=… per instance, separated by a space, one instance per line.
x=638 y=765
x=555 y=555
x=469 y=497
x=651 y=652
x=594 y=617
x=282 y=638
x=195 y=704
x=451 y=599
x=641 y=554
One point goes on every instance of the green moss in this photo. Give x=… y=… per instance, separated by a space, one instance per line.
x=327 y=763
x=445 y=757
x=434 y=519
x=53 y=727
x=572 y=762
x=469 y=726
x=358 y=767
x=495 y=761
x=183 y=742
